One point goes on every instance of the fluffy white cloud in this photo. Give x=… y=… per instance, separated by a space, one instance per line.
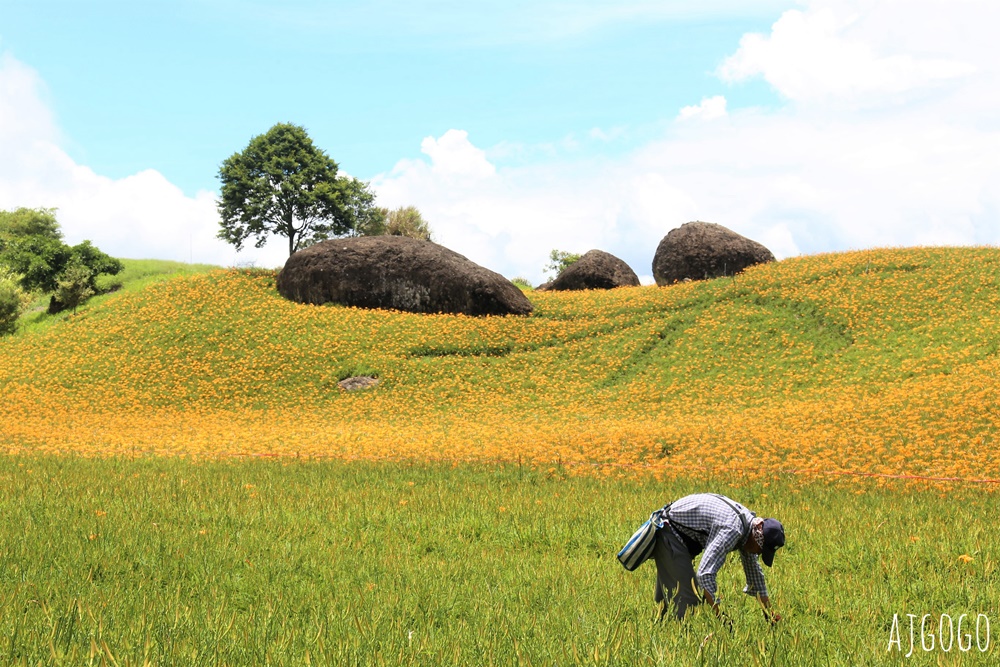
x=140 y=216
x=709 y=109
x=453 y=156
x=24 y=117
x=845 y=52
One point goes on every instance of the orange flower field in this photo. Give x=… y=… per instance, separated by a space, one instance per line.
x=879 y=362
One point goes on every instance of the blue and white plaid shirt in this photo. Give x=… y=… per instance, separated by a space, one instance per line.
x=709 y=521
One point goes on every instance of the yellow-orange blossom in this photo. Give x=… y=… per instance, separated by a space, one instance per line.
x=878 y=361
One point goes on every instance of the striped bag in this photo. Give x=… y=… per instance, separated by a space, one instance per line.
x=640 y=546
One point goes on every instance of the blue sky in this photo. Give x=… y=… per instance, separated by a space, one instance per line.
x=178 y=86
x=516 y=127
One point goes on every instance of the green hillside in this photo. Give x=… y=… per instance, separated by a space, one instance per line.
x=137 y=274
x=878 y=361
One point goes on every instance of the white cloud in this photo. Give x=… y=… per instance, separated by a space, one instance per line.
x=452 y=156
x=710 y=108
x=25 y=118
x=827 y=53
x=141 y=216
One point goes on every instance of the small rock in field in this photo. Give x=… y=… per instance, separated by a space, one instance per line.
x=359 y=382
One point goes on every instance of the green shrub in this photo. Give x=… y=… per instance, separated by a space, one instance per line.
x=523 y=284
x=13 y=301
x=72 y=287
x=31 y=245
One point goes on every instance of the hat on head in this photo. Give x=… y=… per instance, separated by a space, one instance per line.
x=774 y=538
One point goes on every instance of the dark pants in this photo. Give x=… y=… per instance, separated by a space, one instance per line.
x=674 y=574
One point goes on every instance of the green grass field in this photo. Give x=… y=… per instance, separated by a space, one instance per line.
x=169 y=561
x=156 y=509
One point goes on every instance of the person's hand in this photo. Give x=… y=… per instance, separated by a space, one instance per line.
x=772 y=616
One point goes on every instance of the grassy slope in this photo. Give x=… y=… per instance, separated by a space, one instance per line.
x=881 y=361
x=137 y=275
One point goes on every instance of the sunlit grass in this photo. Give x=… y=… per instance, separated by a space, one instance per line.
x=269 y=562
x=136 y=275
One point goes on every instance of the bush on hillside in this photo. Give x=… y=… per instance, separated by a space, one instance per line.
x=407 y=221
x=13 y=301
x=31 y=247
x=73 y=287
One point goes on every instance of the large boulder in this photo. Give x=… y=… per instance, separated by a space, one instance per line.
x=595 y=270
x=700 y=250
x=399 y=273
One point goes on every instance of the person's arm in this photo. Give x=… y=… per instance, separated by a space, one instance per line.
x=769 y=614
x=716 y=549
x=756 y=585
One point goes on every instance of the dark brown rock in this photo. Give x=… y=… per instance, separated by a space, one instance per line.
x=399 y=273
x=701 y=250
x=595 y=270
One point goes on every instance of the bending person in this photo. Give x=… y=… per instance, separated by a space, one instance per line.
x=715 y=525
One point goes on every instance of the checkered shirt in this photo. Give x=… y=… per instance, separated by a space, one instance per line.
x=713 y=524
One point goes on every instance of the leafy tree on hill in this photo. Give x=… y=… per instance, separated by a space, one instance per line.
x=29 y=222
x=559 y=260
x=74 y=285
x=38 y=259
x=96 y=262
x=13 y=301
x=374 y=223
x=31 y=246
x=366 y=218
x=282 y=184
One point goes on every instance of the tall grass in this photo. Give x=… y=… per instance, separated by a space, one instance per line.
x=178 y=562
x=171 y=561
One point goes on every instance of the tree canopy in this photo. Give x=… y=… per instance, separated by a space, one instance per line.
x=366 y=218
x=31 y=246
x=13 y=301
x=29 y=222
x=73 y=286
x=559 y=260
x=282 y=184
